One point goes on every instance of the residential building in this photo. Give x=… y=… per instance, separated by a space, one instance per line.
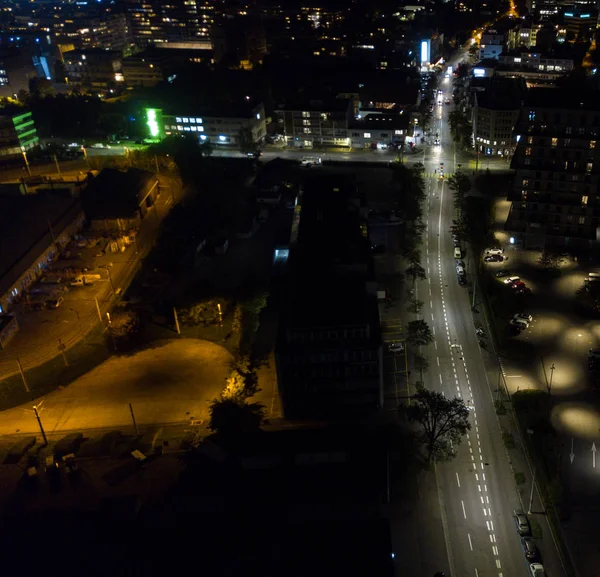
x=221 y=126
x=555 y=194
x=17 y=133
x=495 y=110
x=538 y=62
x=118 y=200
x=523 y=35
x=97 y=68
x=182 y=21
x=239 y=42
x=492 y=44
x=379 y=130
x=33 y=230
x=316 y=122
x=328 y=351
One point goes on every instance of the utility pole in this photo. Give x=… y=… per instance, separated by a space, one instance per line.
x=25 y=384
x=532 y=487
x=57 y=165
x=61 y=348
x=26 y=163
x=98 y=309
x=39 y=420
x=551 y=375
x=156 y=163
x=177 y=327
x=137 y=432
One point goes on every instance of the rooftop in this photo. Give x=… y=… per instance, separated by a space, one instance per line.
x=25 y=222
x=381 y=122
x=116 y=193
x=563 y=98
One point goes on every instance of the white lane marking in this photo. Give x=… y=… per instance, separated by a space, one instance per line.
x=470 y=543
x=498 y=564
x=464 y=511
x=438 y=360
x=495 y=550
x=457 y=479
x=441 y=378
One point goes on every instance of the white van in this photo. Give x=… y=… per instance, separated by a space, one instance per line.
x=457 y=252
x=310 y=161
x=594 y=277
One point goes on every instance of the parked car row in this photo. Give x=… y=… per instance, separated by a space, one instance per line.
x=528 y=544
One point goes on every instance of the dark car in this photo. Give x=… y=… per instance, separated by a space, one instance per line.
x=462 y=279
x=530 y=549
x=378 y=249
x=493 y=258
x=503 y=273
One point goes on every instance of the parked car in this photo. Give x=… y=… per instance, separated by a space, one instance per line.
x=493 y=258
x=494 y=250
x=522 y=523
x=537 y=570
x=511 y=279
x=530 y=549
x=54 y=303
x=520 y=324
x=462 y=279
x=502 y=273
x=525 y=290
x=525 y=316
x=396 y=347
x=519 y=285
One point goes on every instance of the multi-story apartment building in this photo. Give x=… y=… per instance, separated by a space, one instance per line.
x=328 y=351
x=310 y=122
x=537 y=61
x=97 y=68
x=555 y=194
x=221 y=127
x=157 y=22
x=496 y=107
x=523 y=35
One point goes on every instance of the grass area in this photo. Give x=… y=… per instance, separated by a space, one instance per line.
x=83 y=357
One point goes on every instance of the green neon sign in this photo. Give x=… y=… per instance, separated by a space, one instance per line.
x=152 y=122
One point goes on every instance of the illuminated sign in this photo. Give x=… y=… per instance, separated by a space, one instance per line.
x=479 y=72
x=153 y=119
x=424 y=51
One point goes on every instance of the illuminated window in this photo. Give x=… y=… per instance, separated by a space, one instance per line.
x=194 y=129
x=530 y=140
x=198 y=120
x=179 y=127
x=582 y=220
x=200 y=128
x=178 y=119
x=528 y=152
x=397 y=132
x=567 y=142
x=367 y=135
x=584 y=200
x=555 y=142
x=589 y=167
x=306 y=130
x=306 y=122
x=306 y=115
x=592 y=144
x=187 y=129
x=531 y=114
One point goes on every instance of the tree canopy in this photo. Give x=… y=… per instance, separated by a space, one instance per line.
x=419 y=333
x=444 y=422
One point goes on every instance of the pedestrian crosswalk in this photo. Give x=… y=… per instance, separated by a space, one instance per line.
x=447 y=175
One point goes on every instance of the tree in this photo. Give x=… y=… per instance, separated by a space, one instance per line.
x=419 y=333
x=588 y=297
x=415 y=271
x=460 y=185
x=204 y=313
x=415 y=306
x=551 y=261
x=247 y=142
x=444 y=423
x=233 y=419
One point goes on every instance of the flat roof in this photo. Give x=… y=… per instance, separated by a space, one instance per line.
x=563 y=98
x=25 y=222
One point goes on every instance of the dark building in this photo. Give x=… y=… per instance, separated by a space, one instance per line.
x=239 y=41
x=119 y=199
x=328 y=350
x=555 y=196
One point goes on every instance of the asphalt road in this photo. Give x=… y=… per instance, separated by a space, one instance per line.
x=477 y=488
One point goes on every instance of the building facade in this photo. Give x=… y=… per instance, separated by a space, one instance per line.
x=221 y=128
x=316 y=122
x=17 y=134
x=555 y=194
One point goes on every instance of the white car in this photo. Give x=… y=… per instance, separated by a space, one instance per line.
x=537 y=570
x=511 y=279
x=494 y=250
x=396 y=347
x=523 y=316
x=521 y=324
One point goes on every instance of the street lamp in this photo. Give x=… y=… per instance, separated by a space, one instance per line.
x=36 y=411
x=26 y=161
x=551 y=375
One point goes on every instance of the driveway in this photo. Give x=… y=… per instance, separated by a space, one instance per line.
x=172 y=382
